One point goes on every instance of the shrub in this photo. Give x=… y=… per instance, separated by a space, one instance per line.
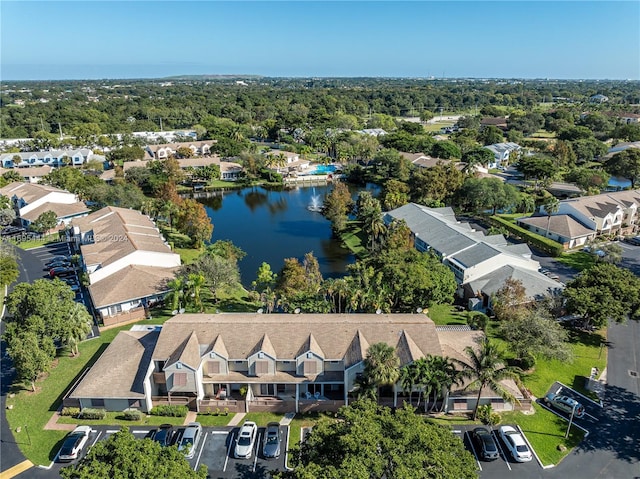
x=92 y=414
x=477 y=320
x=545 y=244
x=488 y=416
x=170 y=411
x=132 y=415
x=70 y=411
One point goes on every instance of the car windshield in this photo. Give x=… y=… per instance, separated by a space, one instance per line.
x=244 y=440
x=272 y=439
x=522 y=448
x=187 y=441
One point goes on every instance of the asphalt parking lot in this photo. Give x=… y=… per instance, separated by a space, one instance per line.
x=214 y=450
x=593 y=410
x=505 y=466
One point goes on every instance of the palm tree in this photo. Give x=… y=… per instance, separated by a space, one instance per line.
x=195 y=283
x=77 y=327
x=551 y=207
x=381 y=366
x=177 y=292
x=486 y=368
x=377 y=229
x=443 y=376
x=408 y=376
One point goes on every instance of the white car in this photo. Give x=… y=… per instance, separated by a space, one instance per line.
x=246 y=440
x=74 y=443
x=516 y=444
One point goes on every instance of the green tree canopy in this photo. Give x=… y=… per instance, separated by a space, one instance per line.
x=604 y=292
x=625 y=164
x=124 y=456
x=371 y=442
x=45 y=222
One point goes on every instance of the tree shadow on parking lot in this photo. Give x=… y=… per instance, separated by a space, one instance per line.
x=618 y=429
x=245 y=471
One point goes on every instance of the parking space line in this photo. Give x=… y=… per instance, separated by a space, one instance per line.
x=466 y=433
x=97 y=437
x=204 y=440
x=563 y=417
x=529 y=444
x=228 y=452
x=504 y=456
x=255 y=459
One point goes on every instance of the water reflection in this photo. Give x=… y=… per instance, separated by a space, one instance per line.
x=271 y=225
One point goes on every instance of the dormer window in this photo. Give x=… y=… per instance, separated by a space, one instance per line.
x=309 y=355
x=261 y=355
x=178 y=365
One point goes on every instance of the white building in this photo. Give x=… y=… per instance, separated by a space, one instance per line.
x=127 y=261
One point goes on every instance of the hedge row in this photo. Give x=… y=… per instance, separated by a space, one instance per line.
x=545 y=244
x=93 y=414
x=170 y=411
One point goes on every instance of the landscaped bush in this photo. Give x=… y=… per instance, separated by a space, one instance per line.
x=545 y=244
x=487 y=415
x=93 y=414
x=70 y=411
x=477 y=320
x=170 y=411
x=132 y=415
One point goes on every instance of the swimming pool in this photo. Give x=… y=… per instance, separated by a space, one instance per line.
x=323 y=170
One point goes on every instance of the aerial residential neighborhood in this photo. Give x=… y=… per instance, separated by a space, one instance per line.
x=332 y=247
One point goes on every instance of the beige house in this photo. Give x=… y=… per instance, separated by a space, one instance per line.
x=127 y=261
x=580 y=219
x=30 y=200
x=254 y=362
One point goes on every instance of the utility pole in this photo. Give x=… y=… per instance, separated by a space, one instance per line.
x=41 y=124
x=60 y=128
x=161 y=124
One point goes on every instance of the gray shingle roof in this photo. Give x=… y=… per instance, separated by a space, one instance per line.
x=535 y=284
x=476 y=254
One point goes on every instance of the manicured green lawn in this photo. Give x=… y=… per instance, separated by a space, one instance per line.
x=263 y=418
x=587 y=354
x=354 y=239
x=444 y=314
x=211 y=420
x=545 y=431
x=578 y=260
x=35 y=243
x=188 y=255
x=33 y=410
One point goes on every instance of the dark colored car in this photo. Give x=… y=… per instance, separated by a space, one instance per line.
x=164 y=435
x=272 y=439
x=485 y=443
x=58 y=264
x=58 y=258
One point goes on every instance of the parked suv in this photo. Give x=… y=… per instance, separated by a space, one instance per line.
x=484 y=442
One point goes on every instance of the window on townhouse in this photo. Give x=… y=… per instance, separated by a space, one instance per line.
x=116 y=309
x=179 y=379
x=97 y=402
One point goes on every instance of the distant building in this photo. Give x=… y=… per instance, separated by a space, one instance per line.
x=598 y=98
x=54 y=158
x=480 y=263
x=31 y=200
x=167 y=150
x=501 y=153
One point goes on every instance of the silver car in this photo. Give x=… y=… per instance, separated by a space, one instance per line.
x=272 y=439
x=190 y=439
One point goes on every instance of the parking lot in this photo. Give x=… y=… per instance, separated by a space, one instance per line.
x=505 y=465
x=214 y=450
x=593 y=410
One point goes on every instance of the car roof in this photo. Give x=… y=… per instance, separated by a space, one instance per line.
x=83 y=429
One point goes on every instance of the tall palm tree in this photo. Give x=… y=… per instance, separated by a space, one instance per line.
x=176 y=286
x=381 y=366
x=408 y=377
x=443 y=376
x=77 y=327
x=551 y=207
x=195 y=283
x=486 y=368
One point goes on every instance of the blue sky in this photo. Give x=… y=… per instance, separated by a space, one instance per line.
x=146 y=39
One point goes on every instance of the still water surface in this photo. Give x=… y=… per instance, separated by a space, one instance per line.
x=270 y=226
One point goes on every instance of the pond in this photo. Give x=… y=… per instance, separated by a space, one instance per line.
x=270 y=226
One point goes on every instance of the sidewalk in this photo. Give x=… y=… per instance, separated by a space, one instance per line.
x=235 y=420
x=191 y=417
x=52 y=424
